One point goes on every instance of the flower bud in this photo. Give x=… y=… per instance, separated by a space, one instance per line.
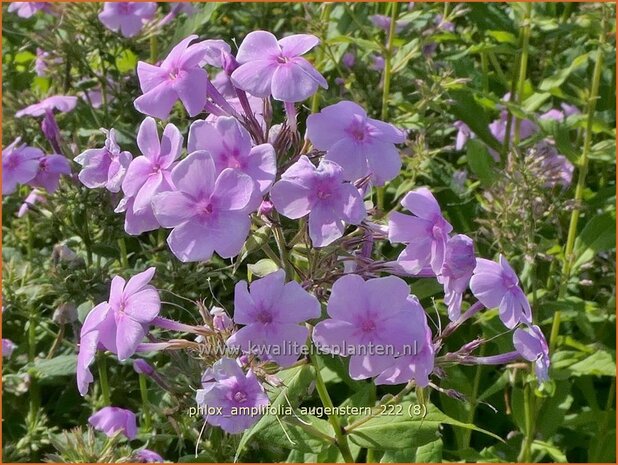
x=220 y=320
x=265 y=208
x=143 y=367
x=66 y=313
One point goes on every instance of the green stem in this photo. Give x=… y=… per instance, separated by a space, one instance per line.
x=581 y=182
x=32 y=337
x=523 y=66
x=371 y=456
x=283 y=250
x=102 y=366
x=154 y=49
x=467 y=433
x=386 y=85
x=525 y=454
x=124 y=260
x=143 y=388
x=30 y=244
x=342 y=440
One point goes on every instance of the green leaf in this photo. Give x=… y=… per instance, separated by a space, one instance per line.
x=405 y=54
x=256 y=241
x=480 y=161
x=126 y=61
x=62 y=365
x=203 y=457
x=503 y=37
x=598 y=235
x=558 y=77
x=427 y=453
x=195 y=21
x=262 y=267
x=600 y=363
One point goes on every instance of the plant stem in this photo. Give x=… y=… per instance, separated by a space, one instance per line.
x=342 y=440
x=154 y=49
x=386 y=85
x=581 y=183
x=143 y=388
x=525 y=454
x=102 y=366
x=523 y=66
x=467 y=433
x=124 y=260
x=283 y=251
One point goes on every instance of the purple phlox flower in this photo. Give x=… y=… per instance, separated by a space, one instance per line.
x=497 y=128
x=418 y=365
x=429 y=49
x=459 y=263
x=179 y=77
x=223 y=84
x=444 y=25
x=322 y=194
x=384 y=22
x=265 y=208
x=555 y=167
x=377 y=62
x=463 y=134
x=270 y=66
x=560 y=115
x=221 y=321
x=20 y=164
x=8 y=347
x=111 y=420
x=348 y=59
x=182 y=7
x=51 y=167
x=118 y=325
x=104 y=167
x=147 y=456
x=35 y=196
x=28 y=9
x=209 y=211
x=496 y=285
x=226 y=386
x=274 y=313
x=359 y=144
x=531 y=344
x=150 y=174
x=366 y=315
x=61 y=103
x=40 y=63
x=51 y=131
x=128 y=18
x=229 y=144
x=136 y=223
x=424 y=234
x=142 y=367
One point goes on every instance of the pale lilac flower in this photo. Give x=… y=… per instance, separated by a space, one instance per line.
x=20 y=165
x=429 y=49
x=34 y=197
x=424 y=234
x=459 y=263
x=531 y=344
x=274 y=313
x=229 y=144
x=226 y=386
x=136 y=223
x=104 y=167
x=128 y=18
x=496 y=285
x=179 y=77
x=28 y=9
x=463 y=134
x=268 y=66
x=209 y=211
x=111 y=420
x=384 y=22
x=348 y=60
x=322 y=194
x=150 y=174
x=418 y=365
x=60 y=103
x=556 y=168
x=377 y=62
x=182 y=7
x=444 y=25
x=560 y=115
x=363 y=314
x=51 y=167
x=147 y=456
x=359 y=144
x=497 y=128
x=220 y=320
x=40 y=63
x=8 y=347
x=118 y=325
x=142 y=367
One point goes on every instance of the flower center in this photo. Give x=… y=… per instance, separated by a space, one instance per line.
x=240 y=397
x=368 y=326
x=205 y=208
x=283 y=60
x=125 y=8
x=265 y=317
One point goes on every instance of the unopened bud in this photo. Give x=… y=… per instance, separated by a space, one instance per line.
x=143 y=367
x=220 y=320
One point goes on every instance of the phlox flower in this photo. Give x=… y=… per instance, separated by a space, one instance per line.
x=560 y=114
x=496 y=285
x=418 y=365
x=322 y=194
x=147 y=456
x=8 y=347
x=150 y=174
x=60 y=103
x=179 y=77
x=20 y=164
x=104 y=167
x=111 y=420
x=119 y=324
x=424 y=234
x=28 y=9
x=209 y=211
x=274 y=313
x=463 y=134
x=378 y=313
x=384 y=22
x=33 y=197
x=229 y=144
x=136 y=222
x=51 y=167
x=275 y=67
x=226 y=386
x=359 y=144
x=128 y=18
x=556 y=168
x=456 y=271
x=531 y=344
